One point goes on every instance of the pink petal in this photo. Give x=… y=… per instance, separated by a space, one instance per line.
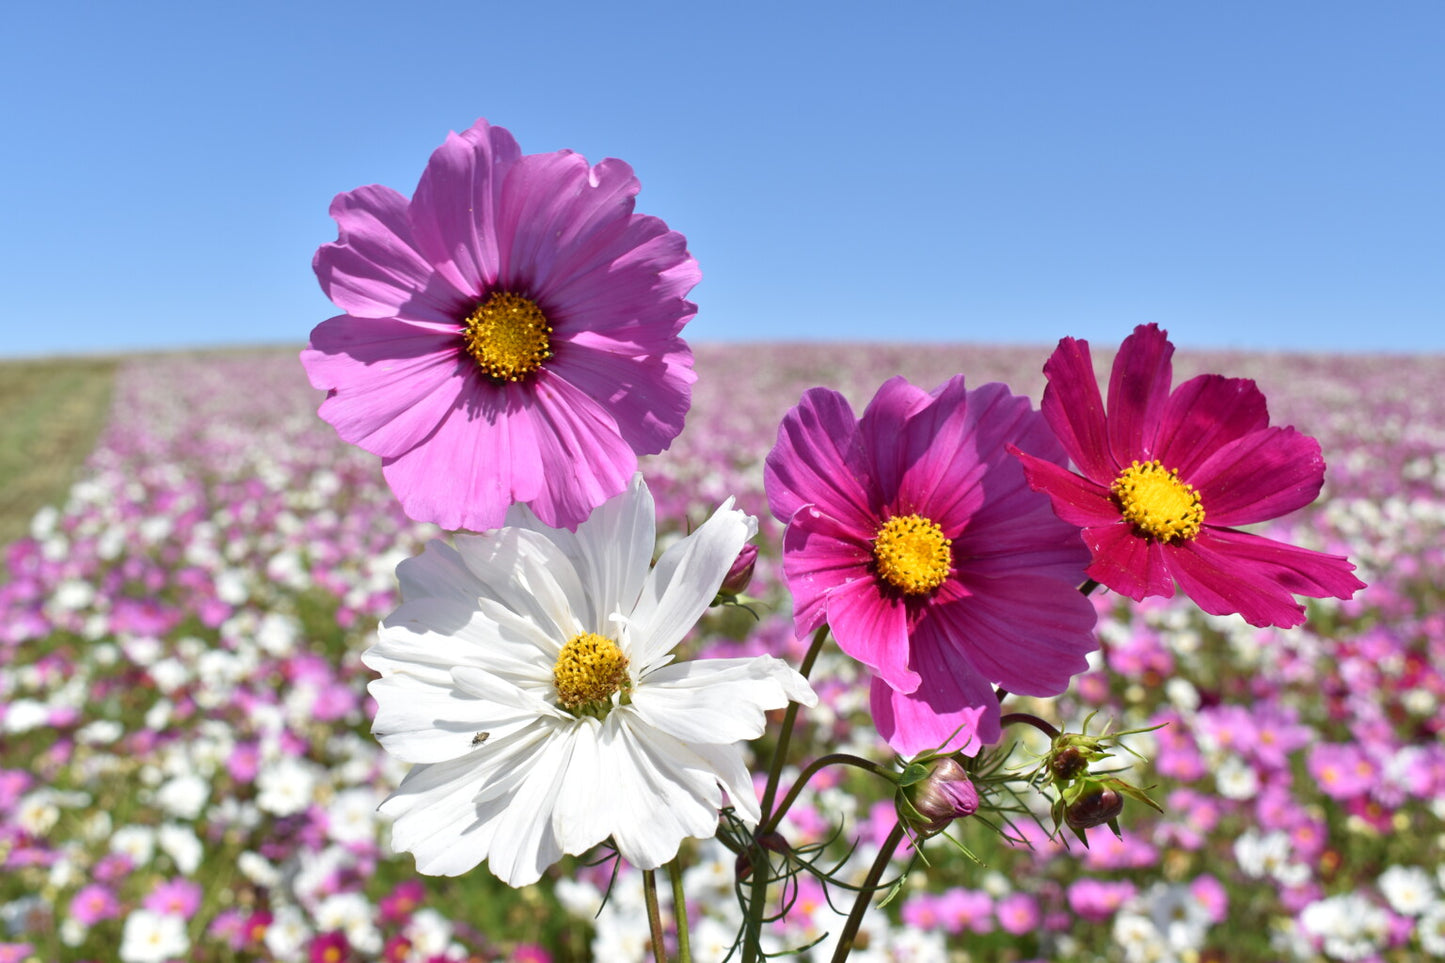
x=390 y=382
x=455 y=207
x=647 y=395
x=1076 y=500
x=1130 y=565
x=1263 y=475
x=950 y=713
x=1138 y=392
x=374 y=270
x=1075 y=410
x=483 y=457
x=633 y=292
x=1029 y=633
x=583 y=458
x=1204 y=414
x=818 y=459
x=1226 y=572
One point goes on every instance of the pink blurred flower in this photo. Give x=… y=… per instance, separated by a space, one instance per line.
x=1098 y=899
x=329 y=948
x=93 y=903
x=174 y=897
x=397 y=906
x=1018 y=913
x=912 y=534
x=511 y=335
x=1166 y=477
x=1212 y=895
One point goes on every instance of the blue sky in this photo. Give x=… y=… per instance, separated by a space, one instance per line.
x=1255 y=175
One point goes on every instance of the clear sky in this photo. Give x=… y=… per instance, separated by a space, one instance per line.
x=1248 y=174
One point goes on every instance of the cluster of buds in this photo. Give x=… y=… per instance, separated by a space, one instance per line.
x=1085 y=798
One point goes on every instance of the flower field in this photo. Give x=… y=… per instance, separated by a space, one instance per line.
x=187 y=772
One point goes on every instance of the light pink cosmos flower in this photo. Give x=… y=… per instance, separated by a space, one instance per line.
x=511 y=332
x=1165 y=476
x=912 y=534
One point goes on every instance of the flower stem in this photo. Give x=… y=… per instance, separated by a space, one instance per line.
x=758 y=896
x=813 y=768
x=679 y=910
x=865 y=894
x=1029 y=719
x=654 y=915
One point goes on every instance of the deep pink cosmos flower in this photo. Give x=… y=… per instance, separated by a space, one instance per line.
x=912 y=534
x=511 y=332
x=1164 y=477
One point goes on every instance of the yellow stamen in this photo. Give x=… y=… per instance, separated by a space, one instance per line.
x=912 y=554
x=508 y=335
x=590 y=669
x=1157 y=503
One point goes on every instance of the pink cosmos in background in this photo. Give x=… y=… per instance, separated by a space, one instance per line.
x=1165 y=476
x=912 y=534
x=511 y=332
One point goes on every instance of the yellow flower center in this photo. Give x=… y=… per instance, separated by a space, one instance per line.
x=589 y=670
x=1157 y=503
x=912 y=554
x=508 y=335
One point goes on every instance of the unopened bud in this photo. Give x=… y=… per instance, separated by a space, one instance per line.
x=1097 y=806
x=1067 y=763
x=741 y=572
x=947 y=794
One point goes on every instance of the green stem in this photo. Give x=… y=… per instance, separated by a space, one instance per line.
x=813 y=768
x=654 y=915
x=757 y=901
x=679 y=910
x=865 y=894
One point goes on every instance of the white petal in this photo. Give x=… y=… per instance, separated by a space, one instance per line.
x=438 y=572
x=438 y=634
x=584 y=814
x=612 y=551
x=732 y=772
x=718 y=700
x=417 y=721
x=684 y=582
x=529 y=575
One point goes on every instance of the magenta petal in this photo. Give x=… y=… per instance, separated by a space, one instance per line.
x=1029 y=633
x=819 y=555
x=389 y=381
x=1128 y=564
x=884 y=432
x=1138 y=392
x=1075 y=410
x=455 y=207
x=483 y=457
x=1263 y=475
x=819 y=460
x=872 y=627
x=638 y=297
x=1203 y=414
x=1226 y=571
x=948 y=713
x=1076 y=500
x=373 y=269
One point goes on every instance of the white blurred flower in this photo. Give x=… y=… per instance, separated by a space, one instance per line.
x=529 y=677
x=72 y=595
x=1430 y=930
x=258 y=869
x=184 y=796
x=352 y=818
x=1259 y=854
x=99 y=732
x=1236 y=779
x=1348 y=926
x=288 y=934
x=1409 y=889
x=286 y=786
x=137 y=842
x=182 y=845
x=151 y=937
x=352 y=914
x=22 y=715
x=429 y=933
x=36 y=812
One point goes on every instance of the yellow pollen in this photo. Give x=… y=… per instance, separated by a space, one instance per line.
x=912 y=554
x=589 y=670
x=508 y=335
x=1157 y=503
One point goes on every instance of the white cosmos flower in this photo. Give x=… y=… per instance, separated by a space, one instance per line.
x=529 y=676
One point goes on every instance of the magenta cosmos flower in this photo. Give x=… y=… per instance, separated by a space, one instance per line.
x=912 y=534
x=510 y=335
x=1165 y=477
